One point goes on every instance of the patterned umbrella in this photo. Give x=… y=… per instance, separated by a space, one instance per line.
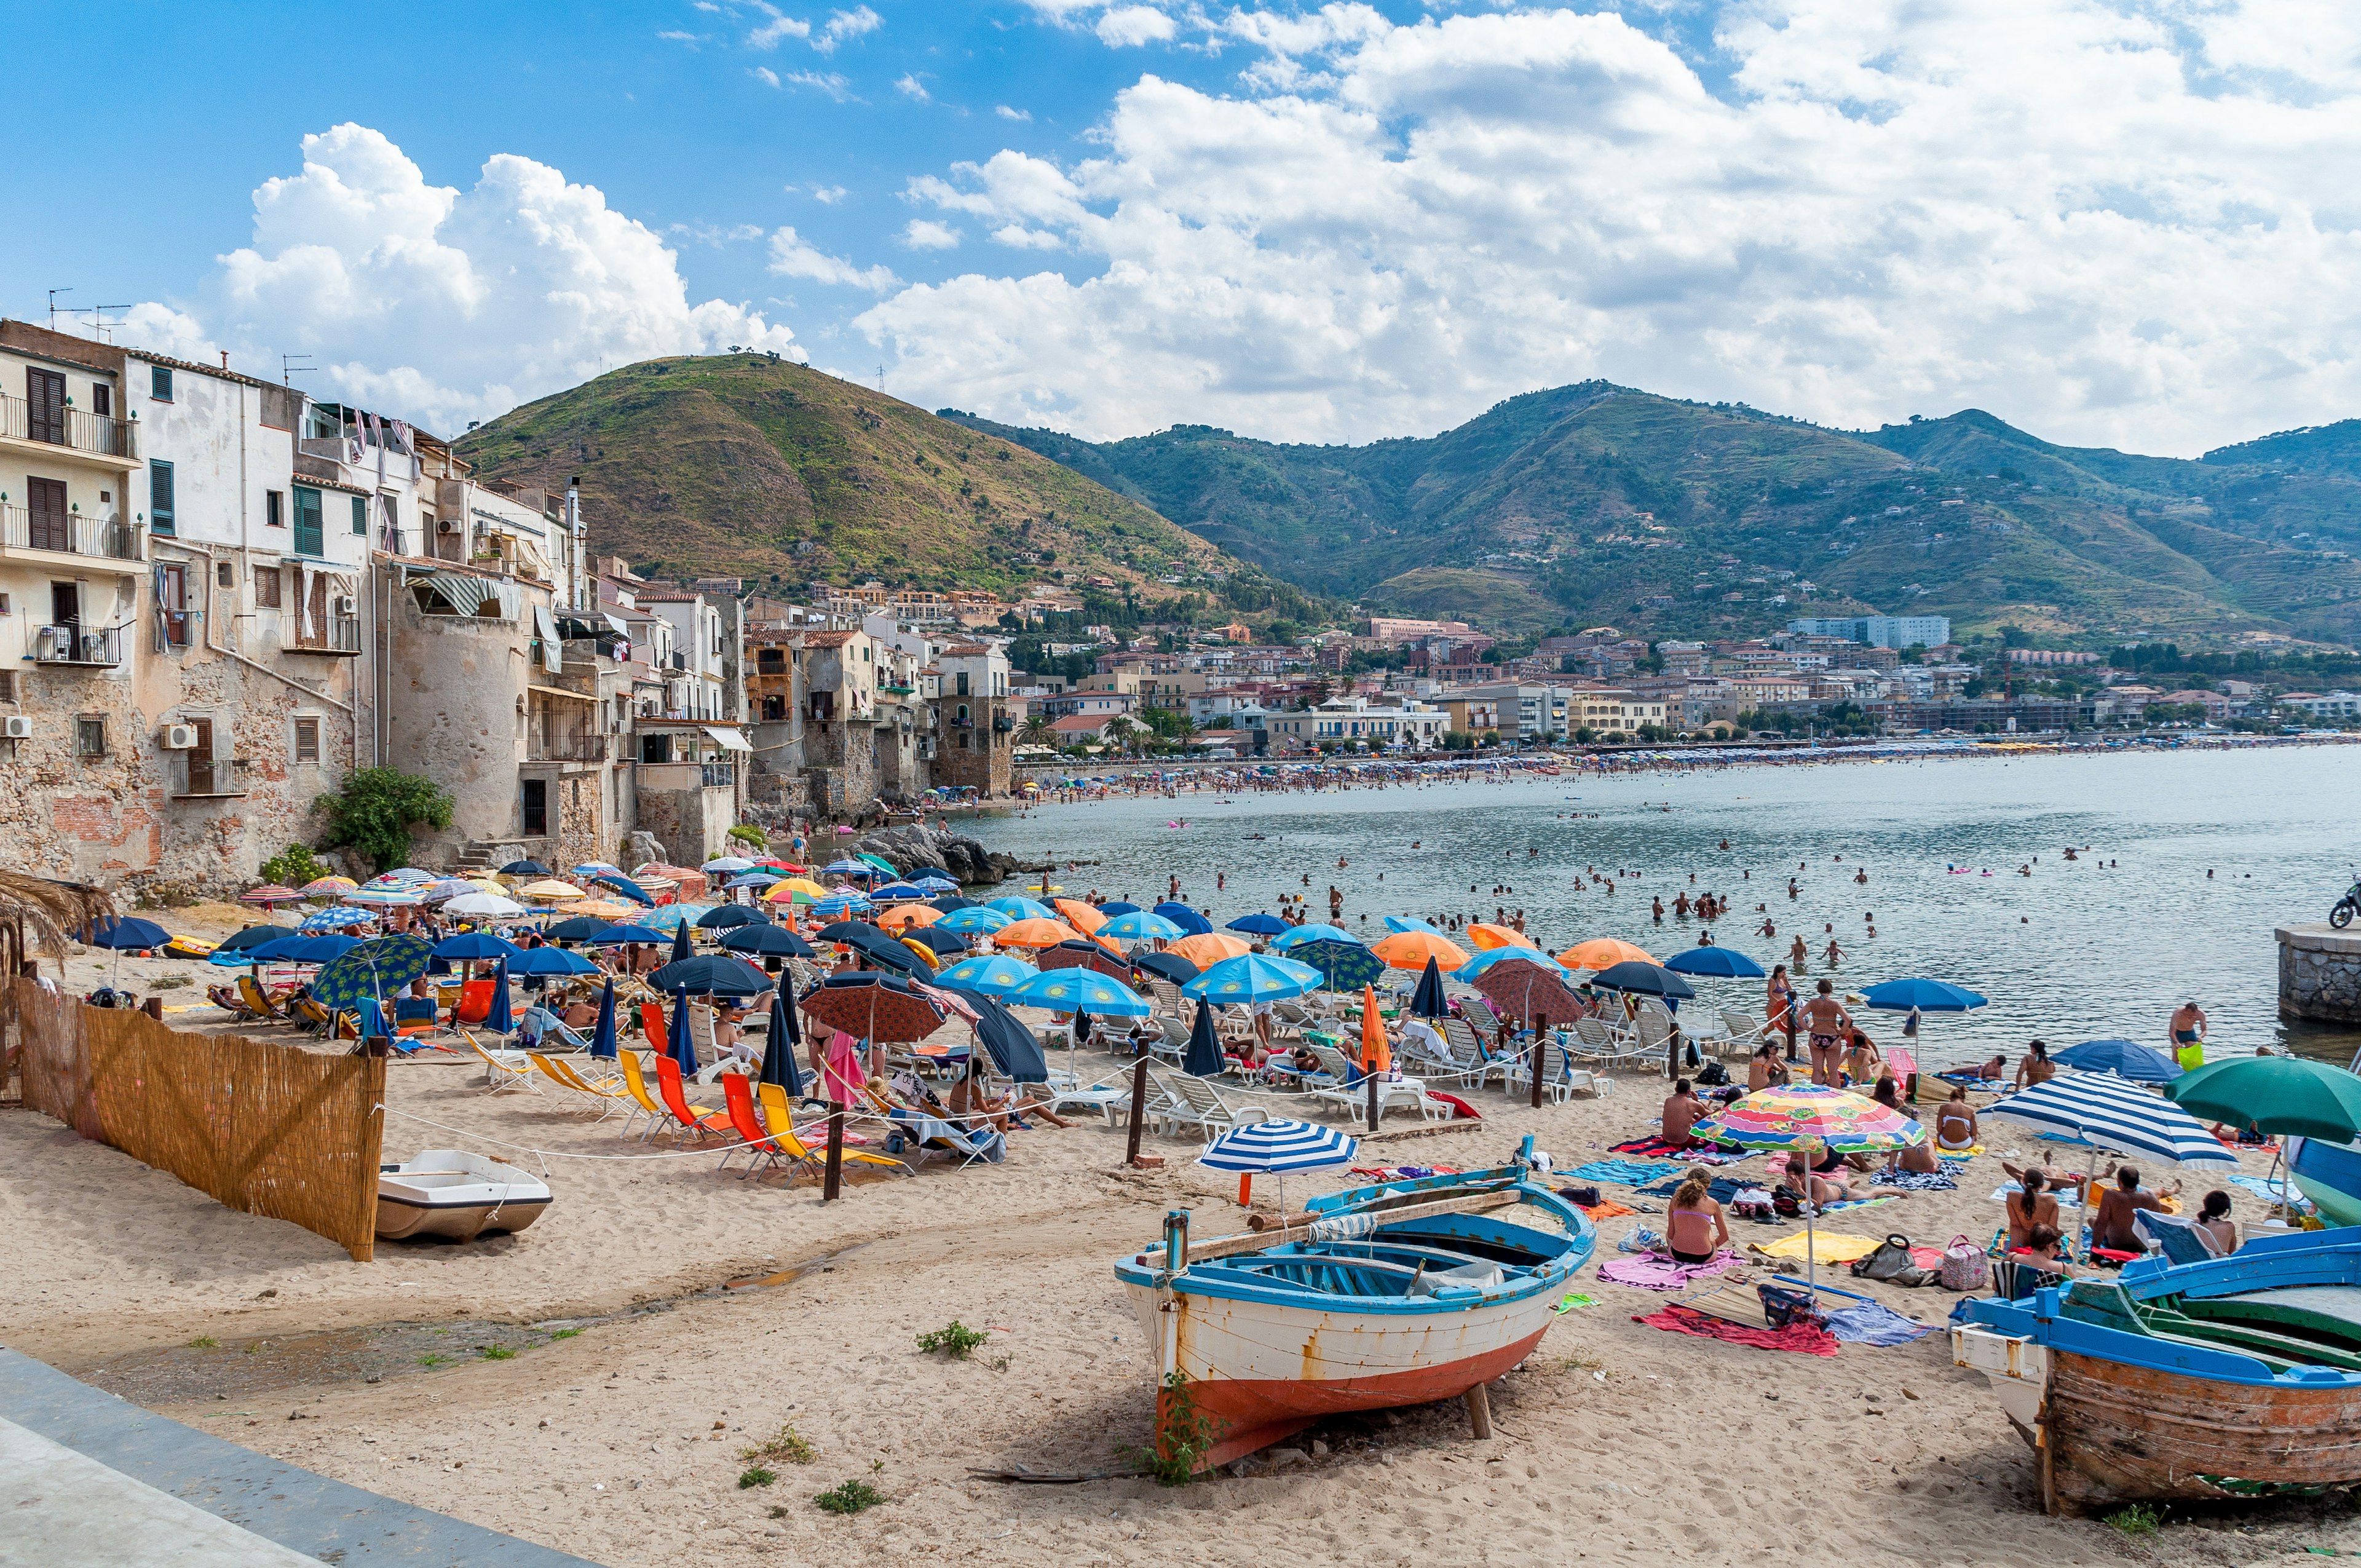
x=1807 y=1117
x=335 y=918
x=270 y=892
x=387 y=897
x=875 y=1007
x=1083 y=955
x=1207 y=948
x=1081 y=990
x=903 y=914
x=1279 y=1145
x=1035 y=933
x=1296 y=935
x=2119 y=1114
x=979 y=919
x=1604 y=952
x=1489 y=938
x=1023 y=909
x=550 y=891
x=992 y=974
x=1345 y=962
x=1081 y=917
x=1255 y=977
x=1139 y=926
x=327 y=886
x=448 y=888
x=1526 y=985
x=379 y=968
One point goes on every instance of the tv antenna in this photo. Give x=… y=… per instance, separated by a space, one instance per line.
x=100 y=323
x=291 y=363
x=53 y=306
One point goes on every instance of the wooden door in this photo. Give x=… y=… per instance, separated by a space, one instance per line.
x=172 y=602
x=45 y=401
x=51 y=524
x=201 y=758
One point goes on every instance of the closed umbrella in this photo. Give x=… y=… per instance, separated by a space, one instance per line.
x=1203 y=1057
x=679 y=1042
x=1427 y=1001
x=2115 y=1111
x=501 y=1020
x=680 y=949
x=779 y=1046
x=1377 y=1051
x=602 y=1038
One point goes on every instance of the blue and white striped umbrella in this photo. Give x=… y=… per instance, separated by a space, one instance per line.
x=1278 y=1146
x=335 y=918
x=2116 y=1114
x=372 y=894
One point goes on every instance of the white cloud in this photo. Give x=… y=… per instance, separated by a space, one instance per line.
x=1005 y=113
x=2109 y=221
x=679 y=37
x=715 y=234
x=1134 y=25
x=843 y=24
x=830 y=194
x=911 y=87
x=780 y=26
x=791 y=256
x=833 y=83
x=1023 y=238
x=925 y=234
x=440 y=305
x=765 y=75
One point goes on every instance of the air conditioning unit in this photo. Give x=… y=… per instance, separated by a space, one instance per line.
x=17 y=727
x=448 y=525
x=346 y=604
x=179 y=737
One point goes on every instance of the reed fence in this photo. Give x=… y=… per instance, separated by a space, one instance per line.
x=263 y=1127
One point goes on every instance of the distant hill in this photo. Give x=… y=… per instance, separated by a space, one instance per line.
x=745 y=465
x=1597 y=503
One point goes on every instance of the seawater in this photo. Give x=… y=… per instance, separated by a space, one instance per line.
x=2104 y=946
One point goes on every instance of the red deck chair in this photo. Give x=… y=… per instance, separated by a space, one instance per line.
x=475 y=1001
x=738 y=1096
x=668 y=1089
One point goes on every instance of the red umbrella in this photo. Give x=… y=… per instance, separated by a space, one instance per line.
x=879 y=1008
x=1525 y=989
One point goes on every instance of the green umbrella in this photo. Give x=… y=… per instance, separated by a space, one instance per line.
x=2274 y=1094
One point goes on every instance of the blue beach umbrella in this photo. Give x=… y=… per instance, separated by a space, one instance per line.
x=129 y=935
x=779 y=1064
x=335 y=918
x=475 y=946
x=616 y=882
x=767 y=942
x=1024 y=908
x=942 y=944
x=546 y=962
x=602 y=1038
x=1921 y=996
x=1191 y=923
x=987 y=974
x=1345 y=962
x=620 y=936
x=1167 y=966
x=754 y=879
x=1081 y=990
x=1203 y=1057
x=2125 y=1058
x=1427 y=1002
x=682 y=1049
x=1012 y=1047
x=979 y=920
x=1139 y=926
x=723 y=917
x=1259 y=925
x=1714 y=963
x=931 y=885
x=2116 y=1114
x=1400 y=923
x=680 y=949
x=1297 y=936
x=898 y=893
x=1278 y=1146
x=1254 y=977
x=848 y=867
x=712 y=974
x=501 y=1020
x=379 y=967
x=1115 y=906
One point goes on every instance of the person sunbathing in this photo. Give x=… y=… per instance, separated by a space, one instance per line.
x=1766 y=1069
x=2111 y=1227
x=2215 y=1220
x=1988 y=1071
x=1955 y=1122
x=2032 y=1207
x=1832 y=1188
x=1695 y=1226
x=1682 y=1110
x=2041 y=1249
x=2035 y=1067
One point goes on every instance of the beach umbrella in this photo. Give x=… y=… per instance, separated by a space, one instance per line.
x=907 y=914
x=1377 y=1051
x=1493 y=957
x=1207 y=948
x=796 y=887
x=602 y=1038
x=1254 y=977
x=1400 y=923
x=938 y=942
x=1807 y=1118
x=752 y=879
x=1139 y=926
x=835 y=906
x=2129 y=1058
x=577 y=928
x=987 y=974
x=897 y=892
x=664 y=917
x=1082 y=954
x=1427 y=1001
x=1022 y=908
x=402 y=876
x=1167 y=966
x=548 y=963
x=550 y=891
x=935 y=881
x=470 y=946
x=1717 y=963
x=980 y=919
x=127 y=934
x=678 y=1041
x=723 y=917
x=328 y=886
x=618 y=936
x=1643 y=978
x=387 y=897
x=1115 y=906
x=1035 y=933
x=2273 y=1094
x=711 y=974
x=1529 y=986
x=237 y=951
x=1604 y=952
x=447 y=889
x=728 y=863
x=2103 y=1109
x=483 y=905
x=501 y=1020
x=379 y=967
x=1081 y=917
x=680 y=949
x=1013 y=1049
x=1920 y=996
x=878 y=861
x=879 y=1008
x=1297 y=935
x=780 y=1043
x=1278 y=1147
x=1191 y=921
x=951 y=904
x=600 y=911
x=596 y=868
x=1346 y=961
x=1416 y=949
x=1203 y=1057
x=1081 y=990
x=1259 y=925
x=325 y=949
x=524 y=868
x=616 y=882
x=270 y=892
x=1484 y=937
x=847 y=866
x=335 y=918
x=767 y=942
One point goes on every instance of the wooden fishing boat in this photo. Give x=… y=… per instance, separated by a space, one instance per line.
x=1398 y=1294
x=2238 y=1376
x=450 y=1192
x=2329 y=1174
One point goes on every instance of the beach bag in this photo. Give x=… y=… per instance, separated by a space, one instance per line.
x=1580 y=1197
x=1714 y=1075
x=1784 y=1204
x=1963 y=1265
x=1783 y=1307
x=1891 y=1258
x=1639 y=1239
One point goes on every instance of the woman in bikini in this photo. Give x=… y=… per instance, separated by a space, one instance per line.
x=2036 y=1066
x=1779 y=1006
x=1695 y=1228
x=1764 y=1068
x=1955 y=1123
x=2029 y=1208
x=2215 y=1220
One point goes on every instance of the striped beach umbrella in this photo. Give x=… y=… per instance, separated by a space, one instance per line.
x=387 y=897
x=328 y=886
x=1279 y=1145
x=270 y=892
x=2115 y=1112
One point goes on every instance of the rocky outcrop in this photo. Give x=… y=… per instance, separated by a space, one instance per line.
x=641 y=848
x=917 y=848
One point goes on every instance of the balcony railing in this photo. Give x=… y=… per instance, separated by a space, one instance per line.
x=67 y=533
x=687 y=775
x=340 y=636
x=568 y=748
x=72 y=643
x=195 y=777
x=78 y=430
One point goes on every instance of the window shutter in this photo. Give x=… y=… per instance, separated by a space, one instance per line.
x=360 y=514
x=160 y=508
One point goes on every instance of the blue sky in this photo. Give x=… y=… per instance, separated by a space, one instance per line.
x=2120 y=222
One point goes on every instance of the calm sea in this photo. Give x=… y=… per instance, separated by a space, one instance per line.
x=2103 y=946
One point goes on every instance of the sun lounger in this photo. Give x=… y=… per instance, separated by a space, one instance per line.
x=685 y=1117
x=643 y=1099
x=502 y=1070
x=475 y=1003
x=2179 y=1236
x=259 y=1003
x=760 y=1147
x=1470 y=1057
x=777 y=1118
x=1196 y=1103
x=928 y=1133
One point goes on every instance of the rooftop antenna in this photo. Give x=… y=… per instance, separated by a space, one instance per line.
x=291 y=363
x=100 y=326
x=53 y=306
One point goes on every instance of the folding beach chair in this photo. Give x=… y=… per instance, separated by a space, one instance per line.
x=926 y=1133
x=502 y=1068
x=684 y=1116
x=760 y=1147
x=643 y=1101
x=2177 y=1235
x=259 y=1003
x=778 y=1120
x=474 y=1002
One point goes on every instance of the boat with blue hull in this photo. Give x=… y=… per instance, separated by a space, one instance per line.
x=1398 y=1294
x=2329 y=1174
x=2237 y=1377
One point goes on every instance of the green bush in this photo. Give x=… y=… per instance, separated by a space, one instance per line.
x=747 y=833
x=958 y=1341
x=756 y=1476
x=294 y=866
x=376 y=810
x=850 y=1498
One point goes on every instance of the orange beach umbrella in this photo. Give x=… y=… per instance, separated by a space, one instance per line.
x=1411 y=949
x=1376 y=1055
x=1081 y=917
x=1488 y=936
x=1603 y=952
x=1209 y=948
x=1035 y=933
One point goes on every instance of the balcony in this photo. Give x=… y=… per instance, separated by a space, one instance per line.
x=62 y=538
x=112 y=443
x=568 y=748
x=73 y=644
x=208 y=778
x=687 y=776
x=339 y=639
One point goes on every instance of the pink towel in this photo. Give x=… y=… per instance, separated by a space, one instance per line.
x=1657 y=1271
x=845 y=1073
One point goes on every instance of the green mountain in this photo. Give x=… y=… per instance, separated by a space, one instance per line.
x=741 y=464
x=1597 y=504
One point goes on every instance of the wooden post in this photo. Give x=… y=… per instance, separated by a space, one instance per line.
x=1372 y=1080
x=1479 y=1411
x=1139 y=1105
x=154 y=1008
x=832 y=1187
x=1541 y=1042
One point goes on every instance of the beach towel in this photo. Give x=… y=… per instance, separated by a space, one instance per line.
x=1827 y=1246
x=1404 y=1172
x=1914 y=1180
x=845 y=1073
x=1660 y=1271
x=1653 y=1147
x=1721 y=1190
x=2274 y=1192
x=1873 y=1322
x=1609 y=1209
x=1843 y=1204
x=1569 y=1303
x=1621 y=1172
x=2066 y=1200
x=1805 y=1338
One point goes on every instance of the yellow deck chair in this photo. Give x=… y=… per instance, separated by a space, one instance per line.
x=777 y=1116
x=257 y=1001
x=643 y=1099
x=502 y=1070
x=604 y=1091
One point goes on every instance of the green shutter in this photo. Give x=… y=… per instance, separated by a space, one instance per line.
x=360 y=514
x=159 y=497
x=308 y=541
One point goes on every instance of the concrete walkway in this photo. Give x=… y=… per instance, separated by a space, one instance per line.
x=92 y=1481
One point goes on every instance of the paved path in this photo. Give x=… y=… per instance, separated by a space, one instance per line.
x=88 y=1480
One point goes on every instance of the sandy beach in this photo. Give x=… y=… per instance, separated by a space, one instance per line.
x=628 y=1373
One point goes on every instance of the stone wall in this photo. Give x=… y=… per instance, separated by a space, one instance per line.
x=2320 y=974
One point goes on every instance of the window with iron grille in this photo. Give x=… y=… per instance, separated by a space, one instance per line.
x=90 y=735
x=307 y=740
x=265 y=587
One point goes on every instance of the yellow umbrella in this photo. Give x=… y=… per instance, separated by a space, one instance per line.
x=1486 y=937
x=903 y=914
x=1603 y=952
x=606 y=909
x=1411 y=949
x=794 y=886
x=552 y=892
